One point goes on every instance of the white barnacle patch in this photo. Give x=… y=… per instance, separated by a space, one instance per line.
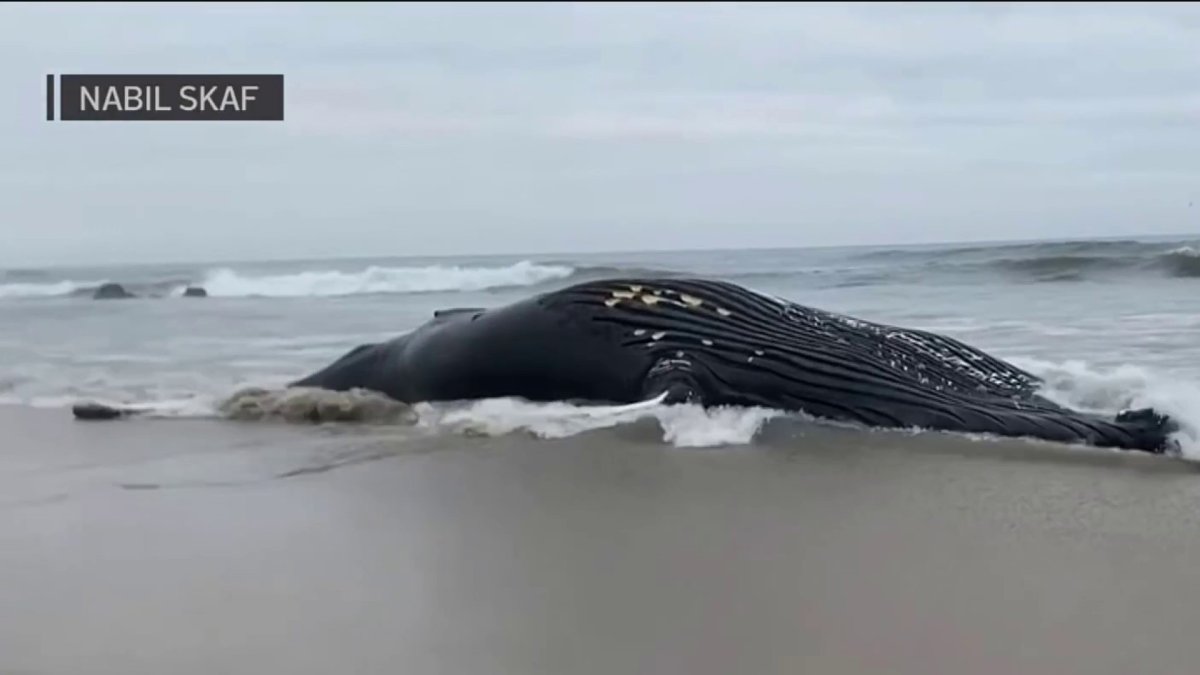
x=679 y=354
x=690 y=300
x=723 y=312
x=640 y=331
x=706 y=343
x=624 y=295
x=848 y=321
x=658 y=336
x=650 y=300
x=611 y=302
x=758 y=352
x=635 y=289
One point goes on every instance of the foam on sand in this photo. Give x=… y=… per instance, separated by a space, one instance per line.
x=682 y=425
x=305 y=404
x=1075 y=384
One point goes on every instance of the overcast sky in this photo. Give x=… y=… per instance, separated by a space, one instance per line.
x=444 y=129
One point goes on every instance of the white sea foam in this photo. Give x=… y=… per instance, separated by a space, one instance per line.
x=682 y=425
x=1075 y=384
x=28 y=290
x=229 y=283
x=1080 y=386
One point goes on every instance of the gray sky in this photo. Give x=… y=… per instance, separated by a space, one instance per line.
x=443 y=129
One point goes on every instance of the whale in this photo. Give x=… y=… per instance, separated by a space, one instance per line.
x=713 y=343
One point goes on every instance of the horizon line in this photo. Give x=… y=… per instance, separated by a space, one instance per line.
x=553 y=254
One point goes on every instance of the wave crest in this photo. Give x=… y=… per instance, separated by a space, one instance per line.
x=44 y=290
x=1182 y=262
x=1106 y=391
x=1052 y=261
x=229 y=283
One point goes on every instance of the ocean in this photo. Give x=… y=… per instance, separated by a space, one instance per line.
x=1108 y=323
x=520 y=539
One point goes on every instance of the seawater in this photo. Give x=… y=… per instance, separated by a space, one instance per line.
x=1107 y=323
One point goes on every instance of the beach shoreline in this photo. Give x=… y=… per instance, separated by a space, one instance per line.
x=199 y=546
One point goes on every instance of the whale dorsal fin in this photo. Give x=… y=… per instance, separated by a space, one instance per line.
x=441 y=313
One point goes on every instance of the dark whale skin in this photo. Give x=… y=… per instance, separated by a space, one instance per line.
x=716 y=343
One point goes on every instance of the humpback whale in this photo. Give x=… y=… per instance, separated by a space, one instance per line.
x=714 y=343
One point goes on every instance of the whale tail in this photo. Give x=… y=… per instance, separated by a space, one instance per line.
x=1150 y=429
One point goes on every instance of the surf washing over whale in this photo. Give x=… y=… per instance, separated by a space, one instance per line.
x=1106 y=325
x=716 y=344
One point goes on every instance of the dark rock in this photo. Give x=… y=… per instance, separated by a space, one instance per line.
x=195 y=292
x=111 y=292
x=96 y=411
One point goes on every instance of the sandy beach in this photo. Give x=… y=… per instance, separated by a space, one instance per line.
x=193 y=546
x=499 y=244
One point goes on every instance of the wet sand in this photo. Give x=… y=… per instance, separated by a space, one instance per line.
x=206 y=547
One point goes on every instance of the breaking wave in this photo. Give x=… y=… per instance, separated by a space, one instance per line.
x=1018 y=250
x=1048 y=261
x=229 y=283
x=85 y=289
x=379 y=280
x=1014 y=263
x=373 y=280
x=1106 y=391
x=45 y=290
x=1182 y=262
